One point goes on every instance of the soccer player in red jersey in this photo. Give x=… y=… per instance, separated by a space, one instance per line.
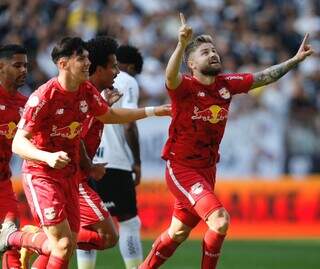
x=200 y=104
x=48 y=139
x=97 y=227
x=13 y=72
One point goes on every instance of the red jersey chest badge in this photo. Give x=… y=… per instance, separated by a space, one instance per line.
x=224 y=93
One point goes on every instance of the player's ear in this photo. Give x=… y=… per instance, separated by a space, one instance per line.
x=131 y=69
x=62 y=63
x=99 y=69
x=190 y=63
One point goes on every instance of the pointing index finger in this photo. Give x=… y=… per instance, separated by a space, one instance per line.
x=182 y=19
x=304 y=41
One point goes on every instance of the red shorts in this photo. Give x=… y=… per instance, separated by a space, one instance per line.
x=193 y=189
x=8 y=201
x=92 y=208
x=53 y=200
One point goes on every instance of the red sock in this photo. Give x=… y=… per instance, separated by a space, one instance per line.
x=57 y=263
x=211 y=246
x=10 y=259
x=41 y=262
x=88 y=240
x=35 y=241
x=161 y=250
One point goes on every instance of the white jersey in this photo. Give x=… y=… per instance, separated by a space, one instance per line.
x=113 y=148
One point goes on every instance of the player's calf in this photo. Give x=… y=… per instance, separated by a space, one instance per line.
x=218 y=223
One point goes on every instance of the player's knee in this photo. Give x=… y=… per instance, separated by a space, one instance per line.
x=219 y=221
x=180 y=236
x=65 y=246
x=110 y=240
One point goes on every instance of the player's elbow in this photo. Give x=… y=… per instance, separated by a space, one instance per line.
x=15 y=145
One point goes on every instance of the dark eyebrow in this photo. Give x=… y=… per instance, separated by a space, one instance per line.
x=204 y=50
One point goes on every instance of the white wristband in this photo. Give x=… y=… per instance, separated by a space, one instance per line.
x=150 y=111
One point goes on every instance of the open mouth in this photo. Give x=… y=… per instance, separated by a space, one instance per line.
x=23 y=78
x=214 y=62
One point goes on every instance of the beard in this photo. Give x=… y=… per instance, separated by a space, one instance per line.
x=211 y=71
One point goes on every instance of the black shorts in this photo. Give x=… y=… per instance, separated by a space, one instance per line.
x=117 y=191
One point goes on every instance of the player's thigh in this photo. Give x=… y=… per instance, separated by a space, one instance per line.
x=46 y=199
x=93 y=212
x=58 y=231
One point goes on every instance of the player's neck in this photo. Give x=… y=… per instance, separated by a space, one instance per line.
x=96 y=82
x=68 y=83
x=8 y=87
x=204 y=79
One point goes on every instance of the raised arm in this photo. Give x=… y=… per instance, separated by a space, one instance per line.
x=275 y=72
x=173 y=75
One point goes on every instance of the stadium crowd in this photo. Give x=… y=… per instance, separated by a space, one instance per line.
x=280 y=124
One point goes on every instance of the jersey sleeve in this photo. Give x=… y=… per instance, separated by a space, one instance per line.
x=239 y=83
x=181 y=90
x=98 y=106
x=34 y=114
x=130 y=94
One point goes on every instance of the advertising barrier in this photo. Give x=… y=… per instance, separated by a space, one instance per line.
x=259 y=209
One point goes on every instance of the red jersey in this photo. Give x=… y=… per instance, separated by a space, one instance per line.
x=55 y=117
x=91 y=136
x=11 y=107
x=199 y=116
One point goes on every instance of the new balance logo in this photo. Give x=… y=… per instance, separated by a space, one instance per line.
x=213 y=255
x=59 y=111
x=109 y=204
x=161 y=256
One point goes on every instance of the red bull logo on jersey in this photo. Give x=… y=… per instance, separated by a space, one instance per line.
x=70 y=131
x=8 y=129
x=213 y=114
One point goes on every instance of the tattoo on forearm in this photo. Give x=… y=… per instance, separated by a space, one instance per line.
x=272 y=73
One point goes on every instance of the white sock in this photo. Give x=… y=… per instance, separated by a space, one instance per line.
x=86 y=259
x=130 y=242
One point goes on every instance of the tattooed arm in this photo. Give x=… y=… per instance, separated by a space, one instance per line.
x=275 y=72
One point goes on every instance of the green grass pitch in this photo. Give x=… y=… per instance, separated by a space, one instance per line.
x=300 y=254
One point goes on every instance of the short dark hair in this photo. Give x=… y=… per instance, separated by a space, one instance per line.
x=100 y=48
x=7 y=51
x=195 y=43
x=67 y=47
x=127 y=54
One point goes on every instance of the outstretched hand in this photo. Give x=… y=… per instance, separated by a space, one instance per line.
x=112 y=96
x=164 y=110
x=185 y=31
x=305 y=49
